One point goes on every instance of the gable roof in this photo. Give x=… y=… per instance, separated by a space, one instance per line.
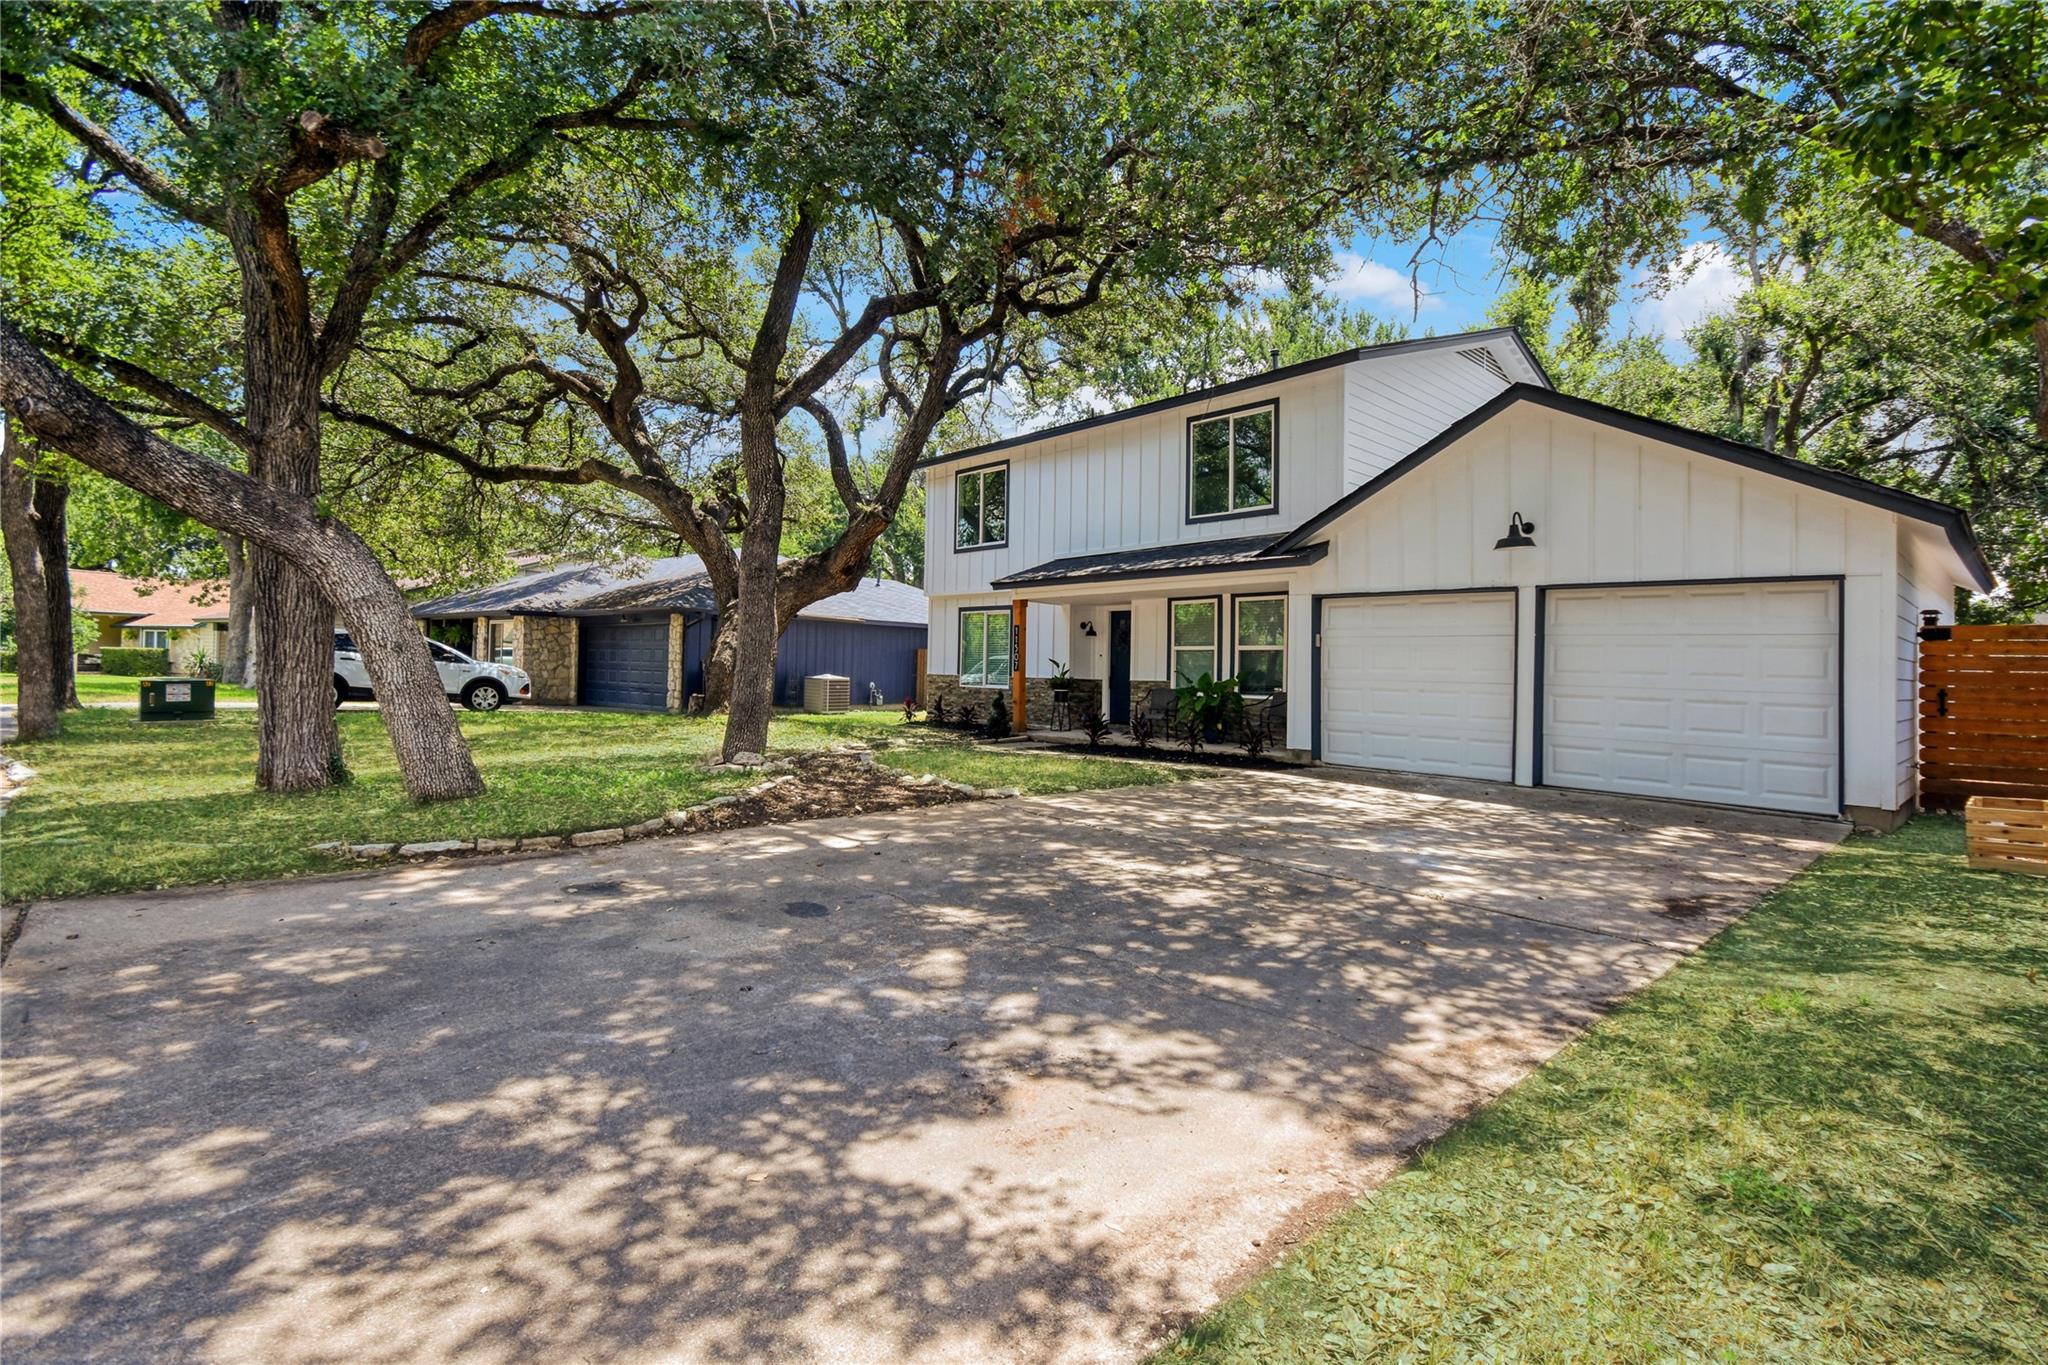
x=554 y=588
x=677 y=583
x=151 y=602
x=1285 y=372
x=1952 y=521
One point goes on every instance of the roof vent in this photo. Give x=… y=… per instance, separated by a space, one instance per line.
x=1485 y=360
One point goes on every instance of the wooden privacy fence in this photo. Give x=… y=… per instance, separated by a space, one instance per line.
x=1983 y=713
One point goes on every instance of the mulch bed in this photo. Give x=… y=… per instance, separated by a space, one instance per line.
x=1161 y=753
x=822 y=786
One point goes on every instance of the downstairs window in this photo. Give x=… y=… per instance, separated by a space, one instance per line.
x=985 y=648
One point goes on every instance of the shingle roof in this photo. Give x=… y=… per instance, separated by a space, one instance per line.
x=678 y=583
x=876 y=601
x=556 y=588
x=153 y=602
x=1158 y=561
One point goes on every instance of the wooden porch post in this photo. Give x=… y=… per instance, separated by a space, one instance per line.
x=1018 y=608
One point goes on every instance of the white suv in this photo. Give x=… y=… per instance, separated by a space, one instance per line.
x=480 y=687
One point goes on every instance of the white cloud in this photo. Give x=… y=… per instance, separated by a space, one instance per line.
x=1359 y=280
x=1703 y=280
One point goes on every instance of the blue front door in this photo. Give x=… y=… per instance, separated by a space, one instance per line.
x=1120 y=668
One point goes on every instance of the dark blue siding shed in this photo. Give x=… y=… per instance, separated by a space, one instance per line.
x=861 y=651
x=864 y=652
x=869 y=634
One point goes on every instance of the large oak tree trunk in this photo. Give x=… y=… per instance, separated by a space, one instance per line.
x=721 y=659
x=53 y=536
x=432 y=757
x=36 y=707
x=297 y=745
x=234 y=656
x=755 y=629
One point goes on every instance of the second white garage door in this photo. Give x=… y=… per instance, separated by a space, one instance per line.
x=1422 y=684
x=1726 y=693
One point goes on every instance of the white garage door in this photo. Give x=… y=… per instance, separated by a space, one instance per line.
x=1421 y=684
x=1728 y=693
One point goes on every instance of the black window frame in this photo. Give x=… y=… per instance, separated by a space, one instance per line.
x=1237 y=637
x=960 y=642
x=982 y=472
x=1218 y=646
x=1187 y=464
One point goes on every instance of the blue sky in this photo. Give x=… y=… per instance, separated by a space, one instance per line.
x=1461 y=278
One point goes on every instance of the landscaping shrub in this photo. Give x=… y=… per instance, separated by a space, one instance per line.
x=1211 y=706
x=1142 y=731
x=936 y=713
x=998 y=721
x=1252 y=734
x=124 y=662
x=6 y=661
x=1095 y=725
x=909 y=709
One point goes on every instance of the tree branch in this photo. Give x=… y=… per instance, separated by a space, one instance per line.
x=175 y=400
x=108 y=148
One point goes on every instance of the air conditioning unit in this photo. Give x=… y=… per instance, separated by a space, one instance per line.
x=827 y=692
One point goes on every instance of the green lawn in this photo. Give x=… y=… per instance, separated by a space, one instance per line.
x=1825 y=1137
x=119 y=805
x=96 y=687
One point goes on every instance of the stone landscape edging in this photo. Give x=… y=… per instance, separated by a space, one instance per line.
x=671 y=823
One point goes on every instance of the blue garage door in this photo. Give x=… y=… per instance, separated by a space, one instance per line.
x=623 y=664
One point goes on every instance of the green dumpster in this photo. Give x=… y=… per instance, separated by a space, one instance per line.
x=177 y=699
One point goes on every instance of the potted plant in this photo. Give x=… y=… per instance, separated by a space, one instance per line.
x=1060 y=682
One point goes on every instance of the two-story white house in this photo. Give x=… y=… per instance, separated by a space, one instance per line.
x=1448 y=567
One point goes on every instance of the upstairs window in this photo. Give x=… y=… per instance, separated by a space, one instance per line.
x=1231 y=464
x=985 y=648
x=982 y=497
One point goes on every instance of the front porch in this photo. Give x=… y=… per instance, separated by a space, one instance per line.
x=1125 y=637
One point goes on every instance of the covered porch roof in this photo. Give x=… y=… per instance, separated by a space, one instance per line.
x=1242 y=554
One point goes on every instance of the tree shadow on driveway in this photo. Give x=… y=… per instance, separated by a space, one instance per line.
x=1028 y=1079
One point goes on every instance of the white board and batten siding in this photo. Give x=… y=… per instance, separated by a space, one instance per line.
x=1123 y=485
x=1615 y=507
x=1924 y=585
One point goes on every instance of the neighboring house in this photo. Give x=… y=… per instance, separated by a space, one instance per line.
x=595 y=636
x=185 y=618
x=1450 y=568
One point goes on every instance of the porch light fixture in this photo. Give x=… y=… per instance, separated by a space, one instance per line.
x=1518 y=534
x=1088 y=629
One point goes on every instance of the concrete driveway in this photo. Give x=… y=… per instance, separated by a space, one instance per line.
x=1014 y=1080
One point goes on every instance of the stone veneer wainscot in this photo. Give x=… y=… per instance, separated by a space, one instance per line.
x=1040 y=712
x=545 y=647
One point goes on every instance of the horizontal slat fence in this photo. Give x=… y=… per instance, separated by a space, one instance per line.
x=1983 y=713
